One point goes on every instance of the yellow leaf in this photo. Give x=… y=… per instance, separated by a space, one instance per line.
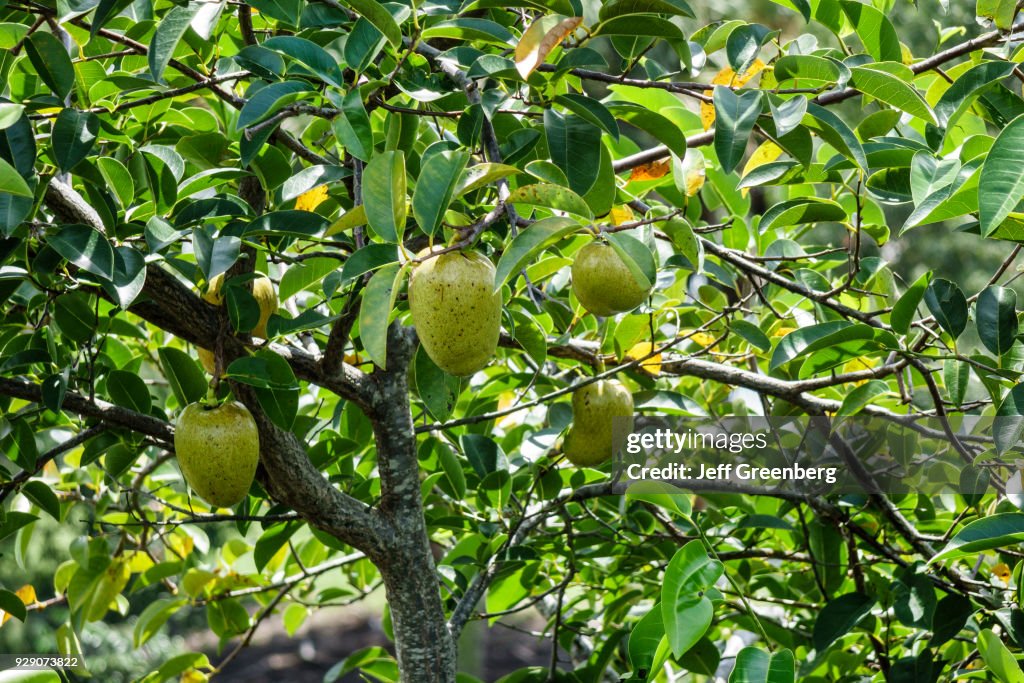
x=765 y=154
x=858 y=364
x=27 y=594
x=691 y=172
x=193 y=676
x=540 y=39
x=1002 y=572
x=308 y=201
x=620 y=214
x=642 y=350
x=651 y=171
x=727 y=77
x=783 y=331
x=703 y=339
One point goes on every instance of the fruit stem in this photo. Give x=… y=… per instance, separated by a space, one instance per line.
x=211 y=394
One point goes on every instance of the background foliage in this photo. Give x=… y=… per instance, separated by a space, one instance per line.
x=824 y=198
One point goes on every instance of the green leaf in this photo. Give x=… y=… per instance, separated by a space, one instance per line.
x=1002 y=177
x=994 y=531
x=11 y=181
x=153 y=618
x=686 y=610
x=637 y=256
x=1001 y=12
x=744 y=43
x=811 y=70
x=575 y=147
x=75 y=316
x=435 y=188
x=662 y=494
x=754 y=665
x=666 y=132
x=798 y=341
x=905 y=309
x=384 y=195
x=1009 y=423
x=272 y=540
x=956 y=375
x=129 y=276
x=118 y=178
x=645 y=638
x=376 y=14
x=169 y=32
x=801 y=211
x=301 y=275
x=735 y=116
x=590 y=109
x=353 y=126
x=530 y=242
x=480 y=175
x=835 y=132
x=14 y=520
x=948 y=304
x=310 y=55
x=885 y=87
x=471 y=29
x=998 y=658
x=269 y=99
x=874 y=30
x=861 y=397
x=375 y=312
x=184 y=375
x=996 y=316
x=616 y=8
x=967 y=87
x=11 y=605
x=127 y=389
x=52 y=62
x=950 y=616
x=839 y=616
x=40 y=493
x=274 y=382
x=86 y=248
x=74 y=134
x=551 y=197
x=371 y=257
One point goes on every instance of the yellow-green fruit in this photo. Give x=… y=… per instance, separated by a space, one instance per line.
x=218 y=450
x=456 y=311
x=602 y=281
x=266 y=297
x=594 y=407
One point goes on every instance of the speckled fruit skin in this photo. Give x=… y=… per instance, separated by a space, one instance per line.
x=603 y=283
x=589 y=441
x=265 y=295
x=218 y=450
x=456 y=311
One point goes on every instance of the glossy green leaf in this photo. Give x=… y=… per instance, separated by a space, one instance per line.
x=839 y=616
x=885 y=87
x=169 y=33
x=530 y=242
x=86 y=248
x=874 y=30
x=384 y=195
x=1002 y=177
x=74 y=134
x=996 y=316
x=52 y=62
x=905 y=309
x=800 y=212
x=948 y=305
x=754 y=665
x=183 y=375
x=552 y=197
x=375 y=312
x=994 y=531
x=735 y=116
x=435 y=188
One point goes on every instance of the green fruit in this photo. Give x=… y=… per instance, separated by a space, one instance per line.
x=594 y=407
x=265 y=295
x=456 y=311
x=602 y=281
x=218 y=450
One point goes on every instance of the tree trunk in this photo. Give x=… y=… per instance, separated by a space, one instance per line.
x=424 y=647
